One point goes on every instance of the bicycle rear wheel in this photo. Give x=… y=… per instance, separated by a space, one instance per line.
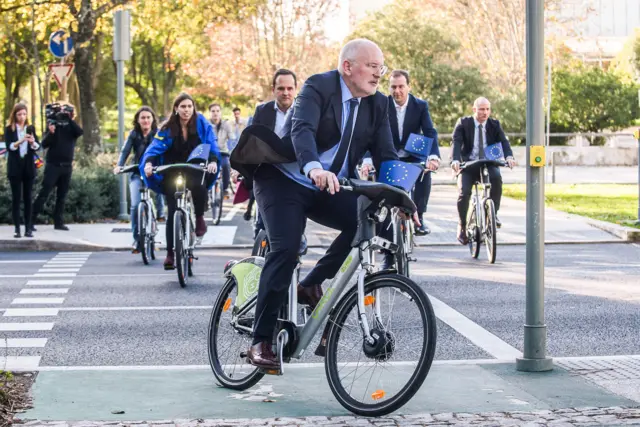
x=376 y=379
x=229 y=335
x=473 y=232
x=142 y=232
x=179 y=244
x=260 y=244
x=490 y=230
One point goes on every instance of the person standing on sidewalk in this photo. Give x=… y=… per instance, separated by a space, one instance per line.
x=60 y=142
x=145 y=126
x=22 y=144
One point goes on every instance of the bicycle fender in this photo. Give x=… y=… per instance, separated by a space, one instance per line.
x=247 y=272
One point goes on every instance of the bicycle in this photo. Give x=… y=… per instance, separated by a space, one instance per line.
x=481 y=216
x=147 y=222
x=184 y=238
x=359 y=311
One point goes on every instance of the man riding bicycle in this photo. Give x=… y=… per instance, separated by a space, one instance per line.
x=470 y=138
x=338 y=117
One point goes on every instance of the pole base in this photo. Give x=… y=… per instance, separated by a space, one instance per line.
x=124 y=217
x=534 y=365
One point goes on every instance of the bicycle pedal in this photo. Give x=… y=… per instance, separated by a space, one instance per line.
x=195 y=258
x=413 y=259
x=271 y=371
x=243 y=354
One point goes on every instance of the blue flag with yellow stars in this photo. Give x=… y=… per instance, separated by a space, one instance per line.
x=494 y=151
x=419 y=145
x=399 y=174
x=201 y=152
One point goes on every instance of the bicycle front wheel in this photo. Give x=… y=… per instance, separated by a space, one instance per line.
x=143 y=238
x=376 y=379
x=473 y=232
x=402 y=256
x=216 y=203
x=179 y=244
x=490 y=230
x=229 y=335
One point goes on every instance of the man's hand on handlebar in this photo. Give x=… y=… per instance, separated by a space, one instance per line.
x=148 y=169
x=433 y=165
x=116 y=170
x=511 y=162
x=212 y=167
x=415 y=217
x=455 y=166
x=366 y=169
x=325 y=180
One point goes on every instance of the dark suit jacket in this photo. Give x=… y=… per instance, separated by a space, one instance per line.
x=416 y=120
x=317 y=120
x=15 y=164
x=464 y=133
x=314 y=127
x=265 y=115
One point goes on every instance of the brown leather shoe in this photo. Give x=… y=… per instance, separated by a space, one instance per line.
x=309 y=295
x=201 y=226
x=462 y=235
x=262 y=356
x=169 y=261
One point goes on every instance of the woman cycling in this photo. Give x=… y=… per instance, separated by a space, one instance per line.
x=178 y=136
x=145 y=126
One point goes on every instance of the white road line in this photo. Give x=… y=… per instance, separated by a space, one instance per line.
x=64 y=264
x=30 y=312
x=49 y=282
x=19 y=327
x=138 y=308
x=58 y=270
x=435 y=228
x=66 y=260
x=474 y=332
x=23 y=342
x=44 y=291
x=75 y=253
x=37 y=301
x=24 y=261
x=20 y=363
x=54 y=275
x=229 y=216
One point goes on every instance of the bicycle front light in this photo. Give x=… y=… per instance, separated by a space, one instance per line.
x=180 y=180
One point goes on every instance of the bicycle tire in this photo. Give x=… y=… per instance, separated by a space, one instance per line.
x=179 y=251
x=402 y=258
x=423 y=365
x=142 y=232
x=216 y=203
x=490 y=230
x=261 y=244
x=473 y=233
x=229 y=289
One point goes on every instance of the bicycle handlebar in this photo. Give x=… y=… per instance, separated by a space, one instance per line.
x=186 y=166
x=129 y=169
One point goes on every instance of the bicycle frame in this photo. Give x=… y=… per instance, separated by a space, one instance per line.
x=478 y=202
x=183 y=203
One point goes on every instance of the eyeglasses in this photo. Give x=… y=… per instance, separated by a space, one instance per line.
x=380 y=69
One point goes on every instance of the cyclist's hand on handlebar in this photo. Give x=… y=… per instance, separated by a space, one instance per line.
x=433 y=165
x=148 y=169
x=415 y=217
x=511 y=162
x=212 y=167
x=366 y=170
x=325 y=180
x=116 y=170
x=455 y=166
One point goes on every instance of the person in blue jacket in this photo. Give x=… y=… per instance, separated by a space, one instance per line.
x=177 y=138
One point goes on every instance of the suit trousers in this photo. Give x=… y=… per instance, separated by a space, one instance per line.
x=465 y=185
x=284 y=205
x=21 y=190
x=58 y=176
x=421 y=192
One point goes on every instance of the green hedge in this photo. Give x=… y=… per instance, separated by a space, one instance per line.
x=93 y=195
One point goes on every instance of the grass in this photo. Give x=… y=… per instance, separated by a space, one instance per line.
x=617 y=203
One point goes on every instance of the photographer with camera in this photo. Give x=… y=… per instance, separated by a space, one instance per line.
x=60 y=142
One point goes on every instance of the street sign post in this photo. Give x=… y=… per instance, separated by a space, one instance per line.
x=60 y=44
x=636 y=135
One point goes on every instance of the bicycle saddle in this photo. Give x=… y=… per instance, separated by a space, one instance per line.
x=377 y=192
x=130 y=168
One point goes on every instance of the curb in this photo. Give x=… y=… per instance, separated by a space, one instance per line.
x=52 y=246
x=627 y=234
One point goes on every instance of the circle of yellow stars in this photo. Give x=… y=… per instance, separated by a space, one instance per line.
x=399 y=179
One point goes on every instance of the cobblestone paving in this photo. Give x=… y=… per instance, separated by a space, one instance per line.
x=614 y=416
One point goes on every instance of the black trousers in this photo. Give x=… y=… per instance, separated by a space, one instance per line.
x=58 y=176
x=21 y=188
x=465 y=185
x=284 y=205
x=421 y=192
x=198 y=195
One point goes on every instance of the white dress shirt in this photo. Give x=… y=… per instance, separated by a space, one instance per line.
x=281 y=118
x=401 y=111
x=24 y=146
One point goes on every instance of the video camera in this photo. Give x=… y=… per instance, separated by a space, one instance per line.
x=58 y=114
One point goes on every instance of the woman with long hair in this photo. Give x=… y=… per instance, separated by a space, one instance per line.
x=177 y=138
x=22 y=143
x=145 y=126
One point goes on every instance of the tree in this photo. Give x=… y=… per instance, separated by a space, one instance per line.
x=589 y=99
x=437 y=75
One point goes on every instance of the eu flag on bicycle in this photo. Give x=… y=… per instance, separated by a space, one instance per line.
x=201 y=152
x=494 y=152
x=419 y=145
x=399 y=174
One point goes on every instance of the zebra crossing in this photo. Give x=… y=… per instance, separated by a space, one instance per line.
x=32 y=314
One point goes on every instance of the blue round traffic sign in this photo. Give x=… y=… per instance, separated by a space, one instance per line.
x=60 y=44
